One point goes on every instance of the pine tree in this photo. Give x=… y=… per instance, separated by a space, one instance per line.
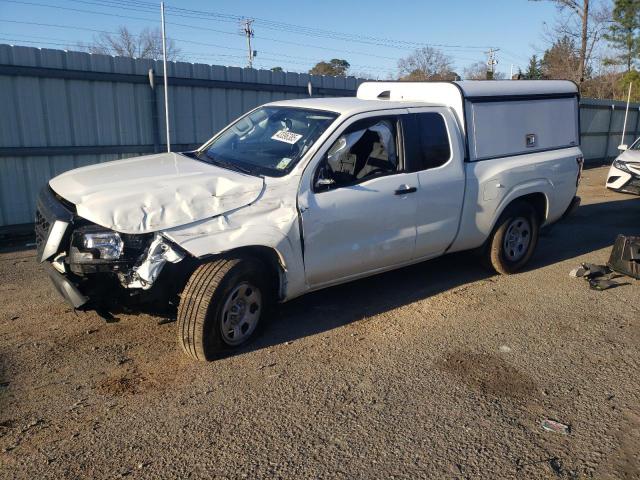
x=623 y=32
x=533 y=70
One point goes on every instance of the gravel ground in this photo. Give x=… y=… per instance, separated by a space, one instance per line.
x=439 y=370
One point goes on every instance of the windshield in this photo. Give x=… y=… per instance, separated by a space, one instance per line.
x=269 y=141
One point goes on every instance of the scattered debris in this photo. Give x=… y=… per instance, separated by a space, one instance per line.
x=504 y=349
x=269 y=365
x=92 y=330
x=556 y=465
x=16 y=317
x=625 y=256
x=4 y=384
x=556 y=427
x=107 y=316
x=164 y=321
x=600 y=277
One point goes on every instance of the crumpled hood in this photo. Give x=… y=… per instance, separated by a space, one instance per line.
x=155 y=192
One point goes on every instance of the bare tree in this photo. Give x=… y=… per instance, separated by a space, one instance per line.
x=123 y=43
x=584 y=21
x=478 y=71
x=426 y=63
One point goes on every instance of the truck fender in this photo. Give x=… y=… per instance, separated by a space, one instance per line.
x=210 y=242
x=541 y=186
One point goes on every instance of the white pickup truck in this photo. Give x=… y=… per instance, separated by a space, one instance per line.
x=299 y=195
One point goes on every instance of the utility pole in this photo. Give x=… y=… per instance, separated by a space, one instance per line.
x=491 y=62
x=248 y=31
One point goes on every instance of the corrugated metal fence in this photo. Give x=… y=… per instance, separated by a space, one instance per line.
x=61 y=110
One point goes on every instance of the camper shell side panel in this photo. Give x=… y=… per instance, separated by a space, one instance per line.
x=497 y=118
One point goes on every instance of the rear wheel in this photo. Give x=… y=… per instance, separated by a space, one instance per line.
x=514 y=239
x=222 y=307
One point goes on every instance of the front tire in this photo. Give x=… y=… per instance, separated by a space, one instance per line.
x=514 y=239
x=222 y=306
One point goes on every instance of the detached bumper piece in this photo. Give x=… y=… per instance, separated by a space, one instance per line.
x=67 y=289
x=625 y=256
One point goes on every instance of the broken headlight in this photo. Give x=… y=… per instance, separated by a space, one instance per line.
x=108 y=245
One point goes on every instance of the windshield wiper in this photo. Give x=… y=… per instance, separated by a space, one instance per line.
x=228 y=165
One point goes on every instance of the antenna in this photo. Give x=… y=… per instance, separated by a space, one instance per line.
x=491 y=62
x=247 y=29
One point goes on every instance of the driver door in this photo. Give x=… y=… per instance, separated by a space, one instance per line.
x=359 y=215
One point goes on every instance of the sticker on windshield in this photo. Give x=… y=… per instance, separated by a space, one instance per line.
x=282 y=164
x=286 y=136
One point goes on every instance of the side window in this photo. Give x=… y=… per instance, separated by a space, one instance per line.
x=365 y=150
x=431 y=147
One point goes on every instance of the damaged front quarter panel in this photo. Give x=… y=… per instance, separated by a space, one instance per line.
x=145 y=273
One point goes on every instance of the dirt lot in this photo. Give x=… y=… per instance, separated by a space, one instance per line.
x=435 y=371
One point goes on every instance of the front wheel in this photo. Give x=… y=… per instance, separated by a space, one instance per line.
x=514 y=239
x=222 y=306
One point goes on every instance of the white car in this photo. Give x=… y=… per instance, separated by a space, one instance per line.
x=299 y=195
x=624 y=174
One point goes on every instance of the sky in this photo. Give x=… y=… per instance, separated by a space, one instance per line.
x=370 y=35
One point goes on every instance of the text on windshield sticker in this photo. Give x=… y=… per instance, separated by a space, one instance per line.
x=286 y=136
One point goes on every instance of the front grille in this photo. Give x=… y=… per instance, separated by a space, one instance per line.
x=52 y=219
x=632 y=186
x=42 y=231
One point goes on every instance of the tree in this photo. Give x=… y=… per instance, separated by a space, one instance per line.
x=277 y=69
x=335 y=67
x=561 y=61
x=478 y=71
x=147 y=44
x=623 y=32
x=426 y=63
x=583 y=23
x=533 y=70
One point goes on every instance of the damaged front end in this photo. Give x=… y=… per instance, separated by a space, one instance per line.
x=92 y=266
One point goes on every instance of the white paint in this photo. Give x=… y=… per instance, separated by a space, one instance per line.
x=632 y=159
x=158 y=254
x=151 y=193
x=349 y=232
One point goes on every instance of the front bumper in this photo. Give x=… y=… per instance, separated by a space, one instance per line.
x=66 y=288
x=624 y=182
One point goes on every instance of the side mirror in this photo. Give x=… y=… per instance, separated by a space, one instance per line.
x=623 y=147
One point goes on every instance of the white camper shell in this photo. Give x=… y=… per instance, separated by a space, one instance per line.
x=498 y=118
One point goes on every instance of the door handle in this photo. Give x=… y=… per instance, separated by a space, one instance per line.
x=404 y=189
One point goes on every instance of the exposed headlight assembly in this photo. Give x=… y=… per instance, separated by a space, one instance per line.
x=109 y=245
x=620 y=165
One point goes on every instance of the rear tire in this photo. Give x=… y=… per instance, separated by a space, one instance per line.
x=514 y=239
x=222 y=306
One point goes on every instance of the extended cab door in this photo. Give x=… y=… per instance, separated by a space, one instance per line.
x=358 y=213
x=434 y=150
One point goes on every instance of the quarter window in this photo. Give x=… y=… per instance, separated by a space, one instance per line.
x=432 y=142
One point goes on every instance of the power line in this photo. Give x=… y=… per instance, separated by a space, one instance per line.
x=278 y=26
x=209 y=29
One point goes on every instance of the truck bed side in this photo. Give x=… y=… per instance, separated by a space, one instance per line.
x=491 y=185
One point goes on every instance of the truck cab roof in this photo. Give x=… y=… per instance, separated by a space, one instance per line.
x=348 y=105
